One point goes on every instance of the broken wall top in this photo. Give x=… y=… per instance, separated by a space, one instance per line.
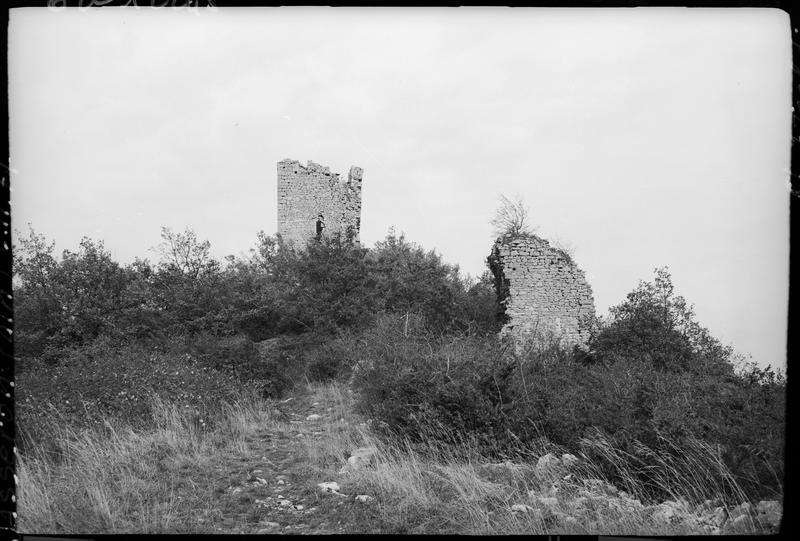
x=542 y=289
x=305 y=191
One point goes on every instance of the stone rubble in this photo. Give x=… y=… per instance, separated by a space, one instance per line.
x=360 y=458
x=561 y=501
x=268 y=527
x=329 y=486
x=569 y=460
x=548 y=465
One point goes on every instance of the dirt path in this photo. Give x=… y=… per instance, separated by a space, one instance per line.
x=273 y=489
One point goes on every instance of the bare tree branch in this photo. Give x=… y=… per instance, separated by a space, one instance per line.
x=511 y=217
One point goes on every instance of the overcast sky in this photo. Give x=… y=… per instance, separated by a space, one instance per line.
x=639 y=137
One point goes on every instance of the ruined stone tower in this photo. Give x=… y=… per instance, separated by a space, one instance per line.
x=304 y=192
x=541 y=289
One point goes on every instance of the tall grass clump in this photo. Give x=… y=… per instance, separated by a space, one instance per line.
x=115 y=478
x=692 y=469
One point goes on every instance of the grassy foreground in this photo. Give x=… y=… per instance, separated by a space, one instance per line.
x=254 y=468
x=114 y=479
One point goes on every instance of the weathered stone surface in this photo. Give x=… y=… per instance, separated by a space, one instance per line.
x=304 y=192
x=569 y=460
x=269 y=527
x=329 y=486
x=548 y=464
x=714 y=518
x=769 y=513
x=542 y=290
x=362 y=456
x=743 y=509
x=521 y=508
x=739 y=522
x=665 y=514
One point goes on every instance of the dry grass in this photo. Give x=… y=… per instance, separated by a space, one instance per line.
x=442 y=489
x=116 y=480
x=113 y=479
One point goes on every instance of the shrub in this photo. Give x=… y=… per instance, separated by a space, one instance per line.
x=409 y=279
x=239 y=356
x=417 y=339
x=419 y=385
x=332 y=286
x=481 y=307
x=66 y=302
x=321 y=288
x=676 y=382
x=105 y=380
x=657 y=327
x=426 y=387
x=330 y=360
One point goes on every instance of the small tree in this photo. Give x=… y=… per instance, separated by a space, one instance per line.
x=512 y=217
x=187 y=283
x=182 y=252
x=66 y=302
x=408 y=278
x=37 y=302
x=656 y=326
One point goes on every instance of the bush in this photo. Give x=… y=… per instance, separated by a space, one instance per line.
x=269 y=320
x=105 y=380
x=67 y=302
x=322 y=288
x=232 y=353
x=330 y=360
x=239 y=356
x=419 y=385
x=417 y=339
x=656 y=327
x=329 y=287
x=424 y=387
x=333 y=286
x=409 y=279
x=676 y=382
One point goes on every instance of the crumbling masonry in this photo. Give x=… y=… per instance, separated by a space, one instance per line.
x=541 y=290
x=304 y=192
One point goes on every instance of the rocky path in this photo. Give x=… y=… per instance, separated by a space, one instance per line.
x=274 y=489
x=272 y=486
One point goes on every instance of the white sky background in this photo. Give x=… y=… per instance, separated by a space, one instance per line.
x=640 y=137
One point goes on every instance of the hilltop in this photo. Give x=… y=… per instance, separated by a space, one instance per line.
x=149 y=393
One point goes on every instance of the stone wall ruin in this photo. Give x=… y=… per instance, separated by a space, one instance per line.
x=541 y=289
x=304 y=192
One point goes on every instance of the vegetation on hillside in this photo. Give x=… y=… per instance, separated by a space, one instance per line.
x=98 y=343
